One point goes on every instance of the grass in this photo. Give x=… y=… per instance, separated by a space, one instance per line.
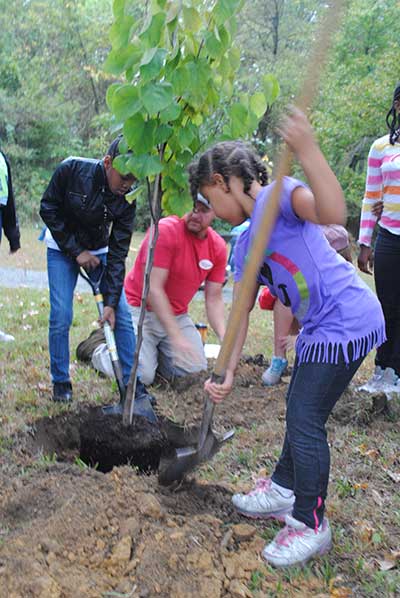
x=363 y=504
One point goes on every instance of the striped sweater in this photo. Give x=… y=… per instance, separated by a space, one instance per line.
x=383 y=182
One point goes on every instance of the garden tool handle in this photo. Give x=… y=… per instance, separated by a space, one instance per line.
x=108 y=331
x=263 y=234
x=208 y=412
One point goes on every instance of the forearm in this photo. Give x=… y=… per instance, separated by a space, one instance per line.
x=239 y=343
x=216 y=316
x=162 y=308
x=329 y=200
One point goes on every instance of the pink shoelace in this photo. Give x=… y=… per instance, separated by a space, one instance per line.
x=262 y=485
x=287 y=534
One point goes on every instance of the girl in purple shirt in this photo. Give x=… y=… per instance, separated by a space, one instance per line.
x=341 y=322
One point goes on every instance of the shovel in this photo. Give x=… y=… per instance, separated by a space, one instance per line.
x=186 y=459
x=142 y=406
x=108 y=331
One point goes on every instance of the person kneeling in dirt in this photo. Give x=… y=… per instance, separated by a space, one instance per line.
x=188 y=252
x=83 y=199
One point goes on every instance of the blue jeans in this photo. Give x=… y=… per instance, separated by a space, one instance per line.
x=63 y=273
x=305 y=461
x=387 y=283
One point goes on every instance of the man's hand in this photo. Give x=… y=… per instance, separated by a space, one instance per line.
x=366 y=259
x=109 y=316
x=87 y=260
x=183 y=350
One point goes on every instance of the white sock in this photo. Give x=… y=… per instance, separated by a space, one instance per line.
x=285 y=492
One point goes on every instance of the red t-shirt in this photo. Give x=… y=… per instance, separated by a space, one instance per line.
x=189 y=261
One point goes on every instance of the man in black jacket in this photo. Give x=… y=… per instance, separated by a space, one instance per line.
x=8 y=217
x=89 y=221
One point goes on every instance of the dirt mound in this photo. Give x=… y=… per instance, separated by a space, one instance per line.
x=70 y=531
x=83 y=533
x=73 y=531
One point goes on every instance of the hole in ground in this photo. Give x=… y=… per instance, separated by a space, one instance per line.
x=102 y=441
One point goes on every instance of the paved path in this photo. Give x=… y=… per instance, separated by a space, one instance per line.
x=34 y=279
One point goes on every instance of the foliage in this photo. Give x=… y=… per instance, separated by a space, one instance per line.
x=52 y=88
x=357 y=93
x=177 y=65
x=52 y=96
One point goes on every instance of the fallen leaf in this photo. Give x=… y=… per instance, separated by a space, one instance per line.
x=387 y=564
x=372 y=454
x=338 y=591
x=364 y=530
x=341 y=592
x=362 y=486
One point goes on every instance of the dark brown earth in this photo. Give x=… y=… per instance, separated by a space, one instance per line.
x=69 y=531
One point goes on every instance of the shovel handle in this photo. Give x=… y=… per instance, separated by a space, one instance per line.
x=108 y=331
x=208 y=412
x=263 y=234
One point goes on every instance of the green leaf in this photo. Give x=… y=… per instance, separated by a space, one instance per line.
x=271 y=88
x=174 y=144
x=125 y=102
x=238 y=114
x=176 y=173
x=145 y=165
x=224 y=36
x=121 y=60
x=120 y=163
x=171 y=113
x=140 y=133
x=180 y=80
x=191 y=18
x=152 y=34
x=258 y=104
x=110 y=93
x=173 y=12
x=213 y=45
x=187 y=133
x=224 y=10
x=152 y=63
x=173 y=63
x=199 y=76
x=118 y=8
x=234 y=58
x=120 y=32
x=157 y=4
x=179 y=202
x=156 y=97
x=162 y=134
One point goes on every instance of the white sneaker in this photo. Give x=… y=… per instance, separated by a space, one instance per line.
x=273 y=374
x=6 y=338
x=264 y=502
x=296 y=543
x=388 y=380
x=373 y=383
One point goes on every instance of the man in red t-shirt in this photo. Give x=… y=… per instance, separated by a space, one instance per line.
x=188 y=253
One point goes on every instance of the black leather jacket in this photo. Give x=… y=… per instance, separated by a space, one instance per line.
x=78 y=209
x=9 y=215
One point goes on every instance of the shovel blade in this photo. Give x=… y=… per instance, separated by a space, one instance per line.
x=184 y=460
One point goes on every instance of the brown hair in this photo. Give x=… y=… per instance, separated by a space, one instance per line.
x=228 y=158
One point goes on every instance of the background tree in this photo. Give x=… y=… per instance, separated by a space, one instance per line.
x=53 y=84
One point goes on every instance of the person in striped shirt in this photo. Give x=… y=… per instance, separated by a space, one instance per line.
x=382 y=191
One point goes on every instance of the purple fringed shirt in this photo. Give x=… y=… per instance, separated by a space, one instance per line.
x=334 y=306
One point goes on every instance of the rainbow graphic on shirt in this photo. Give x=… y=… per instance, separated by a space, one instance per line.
x=298 y=278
